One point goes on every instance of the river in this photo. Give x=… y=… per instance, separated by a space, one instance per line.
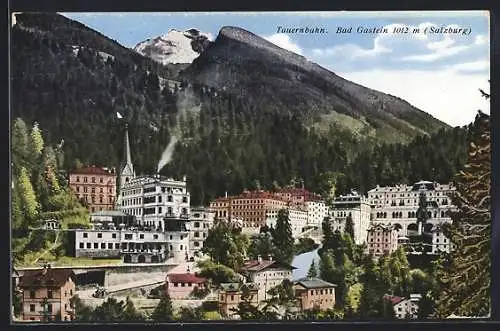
x=303 y=262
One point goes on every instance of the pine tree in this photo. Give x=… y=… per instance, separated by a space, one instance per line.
x=313 y=272
x=30 y=204
x=19 y=144
x=349 y=227
x=422 y=213
x=464 y=279
x=164 y=311
x=36 y=142
x=282 y=237
x=130 y=313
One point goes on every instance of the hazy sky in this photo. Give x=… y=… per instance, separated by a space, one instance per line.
x=436 y=72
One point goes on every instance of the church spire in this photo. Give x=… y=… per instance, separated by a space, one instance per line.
x=128 y=158
x=127 y=171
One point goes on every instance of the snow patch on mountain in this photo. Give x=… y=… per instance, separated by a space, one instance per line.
x=175 y=46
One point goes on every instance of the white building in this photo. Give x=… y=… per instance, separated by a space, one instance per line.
x=266 y=274
x=405 y=308
x=398 y=205
x=298 y=219
x=136 y=246
x=440 y=243
x=202 y=220
x=316 y=212
x=159 y=204
x=358 y=208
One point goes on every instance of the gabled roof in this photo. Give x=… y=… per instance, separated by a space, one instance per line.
x=256 y=265
x=312 y=282
x=394 y=300
x=46 y=277
x=185 y=278
x=236 y=287
x=93 y=170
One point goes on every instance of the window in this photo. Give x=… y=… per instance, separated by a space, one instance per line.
x=78 y=178
x=128 y=236
x=190 y=284
x=32 y=308
x=155 y=236
x=183 y=285
x=71 y=292
x=32 y=294
x=99 y=235
x=50 y=295
x=169 y=198
x=312 y=292
x=176 y=285
x=196 y=224
x=117 y=246
x=113 y=235
x=232 y=297
x=96 y=245
x=81 y=245
x=85 y=235
x=88 y=245
x=141 y=236
x=184 y=199
x=49 y=307
x=110 y=246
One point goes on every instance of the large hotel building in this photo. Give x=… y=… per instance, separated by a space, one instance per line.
x=96 y=186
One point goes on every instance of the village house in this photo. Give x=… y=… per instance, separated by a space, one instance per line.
x=47 y=292
x=231 y=294
x=315 y=293
x=404 y=308
x=267 y=274
x=181 y=286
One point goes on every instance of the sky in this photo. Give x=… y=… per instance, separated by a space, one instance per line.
x=437 y=72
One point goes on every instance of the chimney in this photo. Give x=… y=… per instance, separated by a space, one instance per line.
x=270 y=257
x=226 y=194
x=184 y=178
x=259 y=258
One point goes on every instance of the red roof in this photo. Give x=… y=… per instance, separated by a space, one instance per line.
x=255 y=265
x=46 y=278
x=185 y=278
x=393 y=299
x=93 y=170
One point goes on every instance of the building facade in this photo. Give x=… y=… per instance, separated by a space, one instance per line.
x=181 y=286
x=251 y=207
x=358 y=208
x=202 y=220
x=47 y=294
x=317 y=210
x=132 y=244
x=96 y=186
x=382 y=239
x=315 y=293
x=399 y=204
x=230 y=296
x=297 y=217
x=266 y=274
x=296 y=197
x=405 y=308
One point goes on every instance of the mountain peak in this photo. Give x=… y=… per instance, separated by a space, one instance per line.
x=175 y=46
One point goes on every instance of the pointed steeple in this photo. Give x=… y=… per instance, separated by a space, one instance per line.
x=127 y=171
x=128 y=158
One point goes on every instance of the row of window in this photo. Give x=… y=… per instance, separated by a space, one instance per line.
x=101 y=199
x=412 y=214
x=50 y=294
x=92 y=179
x=110 y=246
x=127 y=235
x=84 y=189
